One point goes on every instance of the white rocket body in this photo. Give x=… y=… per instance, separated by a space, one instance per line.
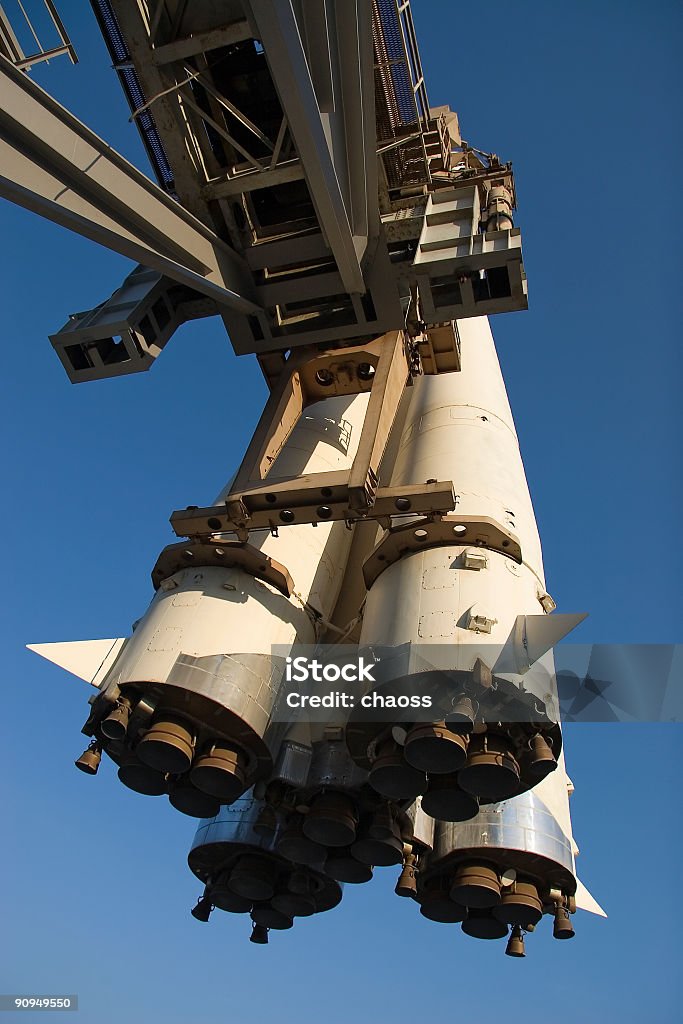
x=459 y=426
x=231 y=611
x=203 y=647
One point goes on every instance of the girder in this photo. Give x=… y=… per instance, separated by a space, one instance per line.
x=55 y=166
x=318 y=199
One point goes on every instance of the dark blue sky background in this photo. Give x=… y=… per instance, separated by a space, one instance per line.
x=585 y=99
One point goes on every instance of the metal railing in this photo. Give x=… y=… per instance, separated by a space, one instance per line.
x=41 y=17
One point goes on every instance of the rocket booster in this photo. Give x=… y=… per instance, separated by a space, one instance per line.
x=466 y=592
x=253 y=860
x=474 y=591
x=184 y=704
x=507 y=867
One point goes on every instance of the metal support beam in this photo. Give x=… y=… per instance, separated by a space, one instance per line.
x=56 y=167
x=202 y=42
x=280 y=415
x=224 y=102
x=315 y=498
x=308 y=376
x=380 y=367
x=11 y=47
x=353 y=20
x=248 y=181
x=279 y=33
x=389 y=383
x=188 y=101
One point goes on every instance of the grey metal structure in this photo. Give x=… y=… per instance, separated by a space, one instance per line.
x=509 y=831
x=321 y=201
x=237 y=838
x=45 y=17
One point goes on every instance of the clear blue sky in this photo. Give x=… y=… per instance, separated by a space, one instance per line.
x=585 y=99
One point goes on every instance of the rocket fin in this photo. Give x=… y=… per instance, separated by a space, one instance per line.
x=584 y=900
x=541 y=632
x=87 y=659
x=532 y=636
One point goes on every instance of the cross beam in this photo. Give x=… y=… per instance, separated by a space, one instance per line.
x=55 y=166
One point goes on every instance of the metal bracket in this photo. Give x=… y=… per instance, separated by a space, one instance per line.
x=319 y=498
x=56 y=167
x=429 y=533
x=225 y=555
x=11 y=48
x=380 y=367
x=391 y=377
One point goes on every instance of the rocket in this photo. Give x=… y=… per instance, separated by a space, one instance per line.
x=183 y=705
x=381 y=509
x=471 y=807
x=467 y=592
x=470 y=590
